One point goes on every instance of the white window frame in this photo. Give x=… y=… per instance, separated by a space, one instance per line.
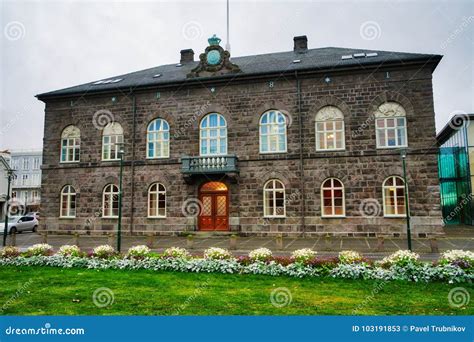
x=160 y=143
x=26 y=164
x=332 y=188
x=24 y=179
x=67 y=192
x=390 y=111
x=36 y=163
x=208 y=138
x=156 y=192
x=71 y=135
x=272 y=192
x=114 y=133
x=270 y=136
x=326 y=115
x=108 y=197
x=405 y=196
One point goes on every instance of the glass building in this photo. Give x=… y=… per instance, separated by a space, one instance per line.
x=456 y=170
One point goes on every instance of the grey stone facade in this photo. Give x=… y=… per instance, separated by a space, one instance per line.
x=361 y=166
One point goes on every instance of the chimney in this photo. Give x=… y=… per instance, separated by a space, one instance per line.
x=301 y=44
x=187 y=56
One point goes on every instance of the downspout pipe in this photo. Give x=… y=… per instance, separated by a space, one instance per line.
x=132 y=176
x=300 y=127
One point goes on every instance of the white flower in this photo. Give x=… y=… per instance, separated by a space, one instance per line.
x=138 y=251
x=349 y=257
x=103 y=251
x=401 y=257
x=457 y=255
x=176 y=252
x=261 y=254
x=303 y=254
x=217 y=253
x=69 y=250
x=9 y=251
x=40 y=249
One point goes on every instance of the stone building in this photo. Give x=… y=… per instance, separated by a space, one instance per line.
x=300 y=142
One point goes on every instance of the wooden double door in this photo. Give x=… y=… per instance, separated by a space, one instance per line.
x=214 y=214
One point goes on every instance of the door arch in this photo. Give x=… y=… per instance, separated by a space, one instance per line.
x=214 y=214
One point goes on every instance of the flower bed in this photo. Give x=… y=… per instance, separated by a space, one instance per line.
x=402 y=265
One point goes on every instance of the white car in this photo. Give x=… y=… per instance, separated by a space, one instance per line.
x=20 y=224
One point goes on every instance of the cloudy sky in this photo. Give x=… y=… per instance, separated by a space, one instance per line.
x=48 y=45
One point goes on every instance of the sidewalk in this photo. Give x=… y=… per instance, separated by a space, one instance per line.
x=456 y=239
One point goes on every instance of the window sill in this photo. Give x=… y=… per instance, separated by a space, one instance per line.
x=333 y=216
x=395 y=216
x=272 y=217
x=67 y=217
x=70 y=162
x=274 y=152
x=391 y=147
x=156 y=217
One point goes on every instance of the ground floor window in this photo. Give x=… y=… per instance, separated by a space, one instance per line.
x=332 y=198
x=394 y=197
x=157 y=200
x=68 y=202
x=110 y=201
x=274 y=199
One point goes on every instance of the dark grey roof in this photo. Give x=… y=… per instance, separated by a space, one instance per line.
x=454 y=124
x=271 y=63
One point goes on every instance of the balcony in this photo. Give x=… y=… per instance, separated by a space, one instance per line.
x=209 y=165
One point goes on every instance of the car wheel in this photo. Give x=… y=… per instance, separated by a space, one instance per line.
x=13 y=230
x=35 y=228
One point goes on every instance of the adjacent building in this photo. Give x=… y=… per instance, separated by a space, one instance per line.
x=4 y=168
x=306 y=141
x=456 y=169
x=26 y=184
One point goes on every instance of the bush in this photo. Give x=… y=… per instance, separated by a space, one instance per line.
x=10 y=252
x=349 y=257
x=138 y=252
x=400 y=258
x=103 y=251
x=176 y=252
x=40 y=249
x=260 y=254
x=69 y=251
x=216 y=253
x=458 y=257
x=303 y=255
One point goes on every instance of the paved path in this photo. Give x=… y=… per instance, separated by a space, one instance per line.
x=461 y=239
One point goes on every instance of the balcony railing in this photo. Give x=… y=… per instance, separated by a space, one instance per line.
x=209 y=164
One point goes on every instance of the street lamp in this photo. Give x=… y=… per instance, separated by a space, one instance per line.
x=403 y=154
x=10 y=173
x=121 y=152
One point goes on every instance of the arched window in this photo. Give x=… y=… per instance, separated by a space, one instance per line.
x=157 y=200
x=390 y=125
x=158 y=137
x=111 y=136
x=274 y=199
x=273 y=132
x=213 y=136
x=68 y=202
x=110 y=201
x=394 y=197
x=330 y=129
x=332 y=198
x=70 y=144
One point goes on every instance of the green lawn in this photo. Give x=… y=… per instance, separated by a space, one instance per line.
x=54 y=291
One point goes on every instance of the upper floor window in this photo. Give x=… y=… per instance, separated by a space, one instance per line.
x=274 y=199
x=112 y=135
x=394 y=197
x=213 y=135
x=330 y=129
x=26 y=164
x=273 y=132
x=70 y=144
x=158 y=137
x=157 y=200
x=24 y=180
x=390 y=124
x=68 y=202
x=332 y=198
x=110 y=201
x=36 y=163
